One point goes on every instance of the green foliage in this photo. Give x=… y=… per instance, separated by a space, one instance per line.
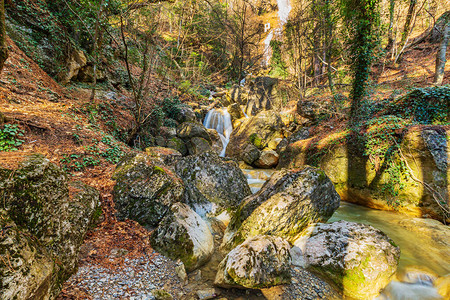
x=278 y=67
x=428 y=105
x=10 y=137
x=383 y=136
x=93 y=155
x=361 y=17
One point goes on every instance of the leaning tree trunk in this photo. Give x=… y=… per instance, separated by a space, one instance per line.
x=441 y=55
x=3 y=46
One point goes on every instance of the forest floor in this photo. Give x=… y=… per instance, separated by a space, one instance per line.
x=61 y=123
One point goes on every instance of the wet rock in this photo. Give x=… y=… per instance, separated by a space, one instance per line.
x=235 y=111
x=261 y=261
x=216 y=142
x=145 y=189
x=268 y=159
x=399 y=291
x=212 y=182
x=54 y=216
x=183 y=235
x=358 y=258
x=285 y=206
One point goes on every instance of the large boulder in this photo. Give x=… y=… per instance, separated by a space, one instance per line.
x=259 y=131
x=188 y=130
x=259 y=262
x=358 y=258
x=183 y=235
x=145 y=189
x=161 y=154
x=415 y=183
x=263 y=95
x=198 y=145
x=212 y=183
x=53 y=215
x=285 y=206
x=28 y=273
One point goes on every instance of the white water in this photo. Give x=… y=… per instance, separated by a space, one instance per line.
x=418 y=248
x=284 y=8
x=220 y=120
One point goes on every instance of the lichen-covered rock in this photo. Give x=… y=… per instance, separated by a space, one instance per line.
x=185 y=114
x=40 y=200
x=188 y=130
x=285 y=206
x=198 y=145
x=212 y=182
x=162 y=154
x=177 y=144
x=268 y=159
x=258 y=131
x=259 y=262
x=423 y=149
x=183 y=235
x=26 y=267
x=358 y=258
x=263 y=95
x=145 y=189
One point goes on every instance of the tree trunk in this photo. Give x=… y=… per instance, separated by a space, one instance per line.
x=3 y=46
x=407 y=26
x=441 y=55
x=97 y=43
x=329 y=43
x=390 y=43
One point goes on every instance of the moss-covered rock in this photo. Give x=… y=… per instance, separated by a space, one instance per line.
x=259 y=262
x=145 y=189
x=39 y=199
x=26 y=267
x=358 y=258
x=189 y=130
x=161 y=154
x=198 y=145
x=258 y=131
x=212 y=183
x=364 y=179
x=285 y=206
x=177 y=144
x=183 y=235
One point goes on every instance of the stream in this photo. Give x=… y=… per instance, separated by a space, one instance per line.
x=417 y=238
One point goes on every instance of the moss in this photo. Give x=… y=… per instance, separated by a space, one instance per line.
x=256 y=140
x=157 y=169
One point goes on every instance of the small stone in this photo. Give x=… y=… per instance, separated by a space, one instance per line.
x=207 y=294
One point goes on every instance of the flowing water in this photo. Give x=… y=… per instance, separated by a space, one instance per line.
x=284 y=8
x=220 y=120
x=422 y=242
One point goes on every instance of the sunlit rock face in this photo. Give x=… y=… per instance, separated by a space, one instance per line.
x=285 y=206
x=183 y=235
x=261 y=261
x=358 y=258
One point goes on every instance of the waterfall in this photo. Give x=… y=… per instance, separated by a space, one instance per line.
x=284 y=8
x=220 y=120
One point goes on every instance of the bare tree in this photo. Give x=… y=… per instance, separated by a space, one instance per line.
x=441 y=55
x=3 y=46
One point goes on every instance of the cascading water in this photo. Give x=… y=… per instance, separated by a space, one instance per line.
x=220 y=120
x=284 y=8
